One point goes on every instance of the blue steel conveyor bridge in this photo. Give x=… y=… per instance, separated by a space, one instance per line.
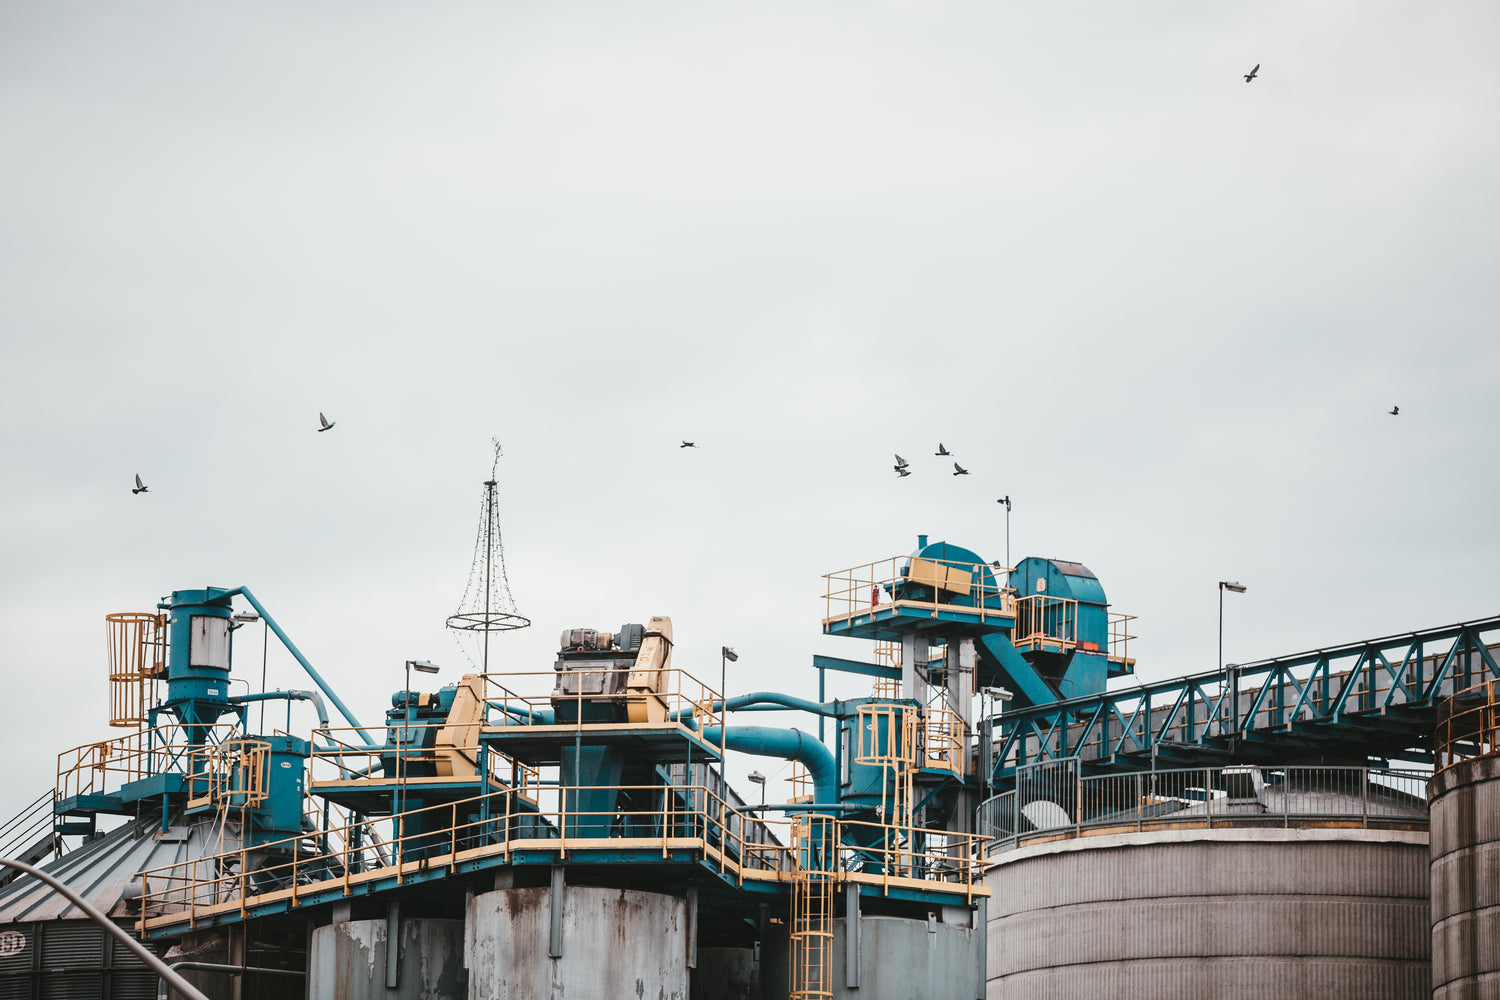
x=1345 y=704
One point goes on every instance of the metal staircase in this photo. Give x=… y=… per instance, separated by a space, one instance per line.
x=29 y=836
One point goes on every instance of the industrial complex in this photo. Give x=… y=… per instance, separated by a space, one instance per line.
x=994 y=819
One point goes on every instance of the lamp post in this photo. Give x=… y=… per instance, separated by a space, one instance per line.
x=1006 y=501
x=422 y=667
x=1234 y=688
x=756 y=778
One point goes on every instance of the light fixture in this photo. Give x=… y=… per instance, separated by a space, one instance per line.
x=1238 y=588
x=730 y=654
x=245 y=616
x=759 y=779
x=422 y=666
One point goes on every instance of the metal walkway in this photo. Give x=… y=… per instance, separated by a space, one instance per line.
x=1340 y=705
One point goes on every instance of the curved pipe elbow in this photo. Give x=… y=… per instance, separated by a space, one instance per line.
x=788 y=744
x=312 y=696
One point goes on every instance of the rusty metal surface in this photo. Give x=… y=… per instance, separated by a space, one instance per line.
x=1466 y=880
x=348 y=961
x=615 y=943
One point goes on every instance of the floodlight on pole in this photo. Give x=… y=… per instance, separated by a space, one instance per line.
x=1232 y=683
x=756 y=778
x=421 y=667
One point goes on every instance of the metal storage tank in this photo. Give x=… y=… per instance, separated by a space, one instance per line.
x=49 y=948
x=604 y=944
x=1254 y=894
x=1244 y=913
x=1465 y=802
x=901 y=957
x=351 y=961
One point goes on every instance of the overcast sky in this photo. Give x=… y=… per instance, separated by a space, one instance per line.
x=1164 y=310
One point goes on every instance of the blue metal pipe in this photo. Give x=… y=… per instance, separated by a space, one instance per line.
x=765 y=701
x=297 y=654
x=312 y=696
x=788 y=744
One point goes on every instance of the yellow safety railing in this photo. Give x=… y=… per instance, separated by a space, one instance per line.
x=665 y=697
x=101 y=768
x=941 y=741
x=660 y=818
x=340 y=756
x=137 y=656
x=1119 y=637
x=800 y=780
x=1468 y=725
x=1044 y=620
x=861 y=589
x=231 y=774
x=888 y=654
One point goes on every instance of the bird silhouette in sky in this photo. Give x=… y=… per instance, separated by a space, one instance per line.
x=140 y=487
x=959 y=470
x=1395 y=411
x=327 y=426
x=900 y=462
x=1251 y=75
x=902 y=471
x=941 y=450
x=687 y=444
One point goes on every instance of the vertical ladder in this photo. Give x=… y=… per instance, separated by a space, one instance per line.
x=888 y=739
x=815 y=843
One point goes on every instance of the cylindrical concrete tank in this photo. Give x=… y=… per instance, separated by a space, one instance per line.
x=612 y=943
x=348 y=961
x=1465 y=804
x=1250 y=913
x=900 y=957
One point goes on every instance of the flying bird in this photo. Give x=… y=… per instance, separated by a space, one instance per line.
x=326 y=425
x=140 y=487
x=687 y=444
x=900 y=462
x=902 y=471
x=1251 y=75
x=959 y=470
x=941 y=450
x=1395 y=411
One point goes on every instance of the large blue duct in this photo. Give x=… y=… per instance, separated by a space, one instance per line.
x=789 y=744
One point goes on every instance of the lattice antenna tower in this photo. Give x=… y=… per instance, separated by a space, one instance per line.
x=488 y=605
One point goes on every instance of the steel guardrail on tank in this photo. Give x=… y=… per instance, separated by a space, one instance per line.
x=1468 y=725
x=1055 y=801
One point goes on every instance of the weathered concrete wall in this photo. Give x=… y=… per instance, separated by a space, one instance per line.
x=1465 y=802
x=901 y=959
x=347 y=961
x=616 y=943
x=1254 y=914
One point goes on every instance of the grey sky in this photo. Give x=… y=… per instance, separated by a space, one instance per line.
x=1164 y=310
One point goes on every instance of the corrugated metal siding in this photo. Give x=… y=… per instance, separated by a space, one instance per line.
x=1186 y=914
x=74 y=943
x=1466 y=880
x=77 y=959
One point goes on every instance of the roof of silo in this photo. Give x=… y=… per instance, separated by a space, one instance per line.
x=102 y=871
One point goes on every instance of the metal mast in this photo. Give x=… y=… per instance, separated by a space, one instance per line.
x=494 y=610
